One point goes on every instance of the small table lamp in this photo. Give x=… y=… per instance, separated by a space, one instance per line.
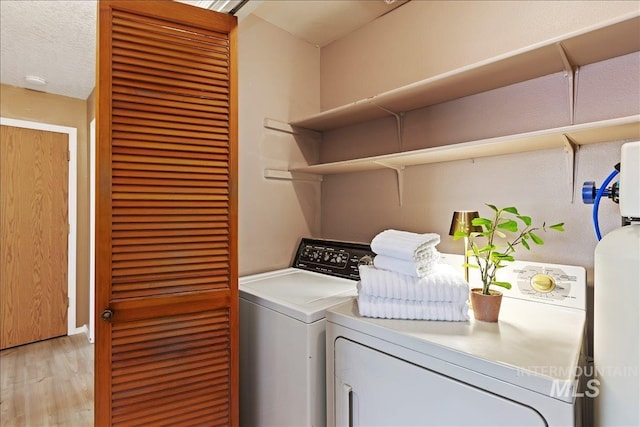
x=461 y=221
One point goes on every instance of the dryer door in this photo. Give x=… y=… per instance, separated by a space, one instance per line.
x=375 y=389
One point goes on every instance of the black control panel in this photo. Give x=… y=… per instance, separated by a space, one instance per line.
x=331 y=257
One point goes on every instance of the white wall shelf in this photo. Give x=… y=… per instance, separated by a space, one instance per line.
x=568 y=137
x=623 y=128
x=562 y=54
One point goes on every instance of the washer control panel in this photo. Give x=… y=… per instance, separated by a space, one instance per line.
x=331 y=257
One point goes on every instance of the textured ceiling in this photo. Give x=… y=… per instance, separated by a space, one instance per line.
x=56 y=39
x=52 y=39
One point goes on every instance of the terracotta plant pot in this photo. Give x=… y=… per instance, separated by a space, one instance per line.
x=486 y=307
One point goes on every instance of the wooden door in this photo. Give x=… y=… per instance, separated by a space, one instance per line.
x=33 y=229
x=167 y=353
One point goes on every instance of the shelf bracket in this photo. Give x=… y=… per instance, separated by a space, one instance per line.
x=570 y=73
x=293 y=130
x=399 y=123
x=570 y=148
x=291 y=176
x=399 y=177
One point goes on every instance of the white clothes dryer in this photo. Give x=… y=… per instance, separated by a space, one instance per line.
x=282 y=333
x=526 y=369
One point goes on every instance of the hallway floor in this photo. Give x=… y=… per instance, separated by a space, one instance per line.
x=48 y=383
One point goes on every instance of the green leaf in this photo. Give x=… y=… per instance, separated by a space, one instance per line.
x=487 y=248
x=481 y=221
x=470 y=265
x=511 y=209
x=502 y=257
x=558 y=227
x=510 y=225
x=505 y=285
x=501 y=234
x=525 y=244
x=525 y=219
x=537 y=240
x=459 y=235
x=492 y=207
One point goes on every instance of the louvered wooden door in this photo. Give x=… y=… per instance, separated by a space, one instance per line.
x=166 y=333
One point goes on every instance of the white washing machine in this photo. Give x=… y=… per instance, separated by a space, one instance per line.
x=526 y=369
x=282 y=333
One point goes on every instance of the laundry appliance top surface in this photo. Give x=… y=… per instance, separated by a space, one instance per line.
x=324 y=274
x=536 y=344
x=303 y=295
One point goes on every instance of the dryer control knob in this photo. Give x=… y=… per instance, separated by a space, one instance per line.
x=543 y=283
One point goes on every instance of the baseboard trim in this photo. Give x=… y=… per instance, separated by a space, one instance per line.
x=84 y=329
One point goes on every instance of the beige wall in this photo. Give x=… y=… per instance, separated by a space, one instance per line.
x=424 y=38
x=23 y=104
x=279 y=78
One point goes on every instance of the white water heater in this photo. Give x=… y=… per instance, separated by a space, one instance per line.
x=617 y=306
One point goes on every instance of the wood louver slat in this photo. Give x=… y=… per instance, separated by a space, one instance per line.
x=141 y=110
x=175 y=149
x=160 y=132
x=147 y=103
x=205 y=104
x=157 y=182
x=167 y=122
x=141 y=234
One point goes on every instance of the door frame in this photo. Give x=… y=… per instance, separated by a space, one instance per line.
x=92 y=230
x=72 y=202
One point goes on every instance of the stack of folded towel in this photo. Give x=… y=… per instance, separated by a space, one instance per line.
x=409 y=283
x=406 y=253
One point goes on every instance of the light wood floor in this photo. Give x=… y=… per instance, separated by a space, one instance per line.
x=48 y=383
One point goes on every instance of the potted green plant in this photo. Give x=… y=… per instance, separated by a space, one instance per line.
x=492 y=248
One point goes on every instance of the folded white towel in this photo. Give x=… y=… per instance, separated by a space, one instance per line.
x=420 y=268
x=444 y=284
x=388 y=308
x=404 y=244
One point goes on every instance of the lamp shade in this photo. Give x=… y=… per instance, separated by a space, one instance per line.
x=461 y=221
